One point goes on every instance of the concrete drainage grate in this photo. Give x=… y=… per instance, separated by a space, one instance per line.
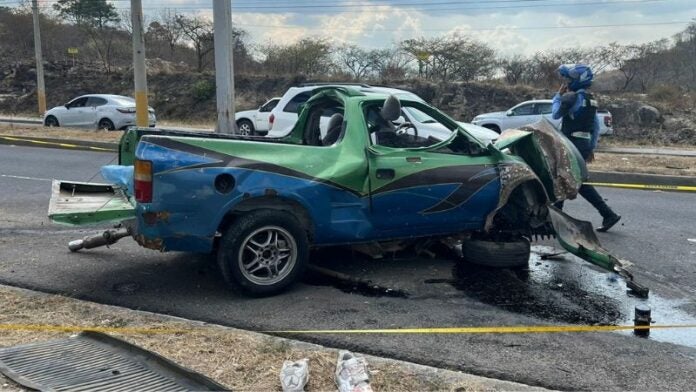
x=94 y=361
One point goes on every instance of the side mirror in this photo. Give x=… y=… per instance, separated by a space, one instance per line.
x=509 y=113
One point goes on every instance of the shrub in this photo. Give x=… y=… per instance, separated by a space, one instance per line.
x=203 y=90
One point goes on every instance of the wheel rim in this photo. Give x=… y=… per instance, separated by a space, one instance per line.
x=105 y=125
x=267 y=255
x=244 y=128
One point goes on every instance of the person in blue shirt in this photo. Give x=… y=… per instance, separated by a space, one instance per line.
x=578 y=109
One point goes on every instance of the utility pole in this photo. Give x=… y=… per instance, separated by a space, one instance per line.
x=40 y=87
x=224 y=71
x=139 y=70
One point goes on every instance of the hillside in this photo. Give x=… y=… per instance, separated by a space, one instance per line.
x=179 y=95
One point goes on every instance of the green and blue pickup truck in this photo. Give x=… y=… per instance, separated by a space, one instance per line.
x=367 y=179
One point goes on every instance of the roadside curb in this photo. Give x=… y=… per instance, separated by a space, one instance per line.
x=47 y=142
x=646 y=151
x=640 y=178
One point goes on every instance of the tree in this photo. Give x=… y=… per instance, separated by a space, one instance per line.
x=357 y=61
x=199 y=32
x=96 y=18
x=166 y=30
x=451 y=57
x=309 y=56
x=514 y=68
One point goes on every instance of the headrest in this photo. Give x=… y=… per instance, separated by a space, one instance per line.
x=391 y=110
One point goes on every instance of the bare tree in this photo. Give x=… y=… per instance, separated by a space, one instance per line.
x=199 y=32
x=514 y=68
x=309 y=56
x=357 y=61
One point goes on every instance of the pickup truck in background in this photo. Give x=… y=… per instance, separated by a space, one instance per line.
x=261 y=204
x=529 y=112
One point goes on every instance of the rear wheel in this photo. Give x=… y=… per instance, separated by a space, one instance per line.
x=263 y=252
x=499 y=254
x=245 y=127
x=51 y=121
x=106 y=124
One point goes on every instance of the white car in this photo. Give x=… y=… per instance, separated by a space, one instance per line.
x=96 y=111
x=529 y=112
x=284 y=116
x=429 y=127
x=255 y=122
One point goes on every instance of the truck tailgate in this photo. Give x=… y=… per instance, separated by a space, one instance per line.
x=79 y=203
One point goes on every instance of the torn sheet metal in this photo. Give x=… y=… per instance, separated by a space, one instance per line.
x=578 y=237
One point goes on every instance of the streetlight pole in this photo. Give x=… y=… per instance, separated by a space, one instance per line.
x=224 y=71
x=40 y=87
x=139 y=67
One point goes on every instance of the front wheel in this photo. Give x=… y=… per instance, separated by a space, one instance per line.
x=245 y=127
x=497 y=254
x=263 y=252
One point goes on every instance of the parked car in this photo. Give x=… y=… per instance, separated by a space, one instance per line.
x=429 y=127
x=262 y=204
x=529 y=112
x=255 y=122
x=284 y=116
x=96 y=111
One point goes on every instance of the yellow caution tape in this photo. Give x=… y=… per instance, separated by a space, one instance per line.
x=684 y=188
x=66 y=145
x=489 y=330
x=446 y=330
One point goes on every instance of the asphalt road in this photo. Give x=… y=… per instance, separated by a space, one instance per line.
x=654 y=235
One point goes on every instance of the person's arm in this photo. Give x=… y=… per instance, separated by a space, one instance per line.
x=595 y=133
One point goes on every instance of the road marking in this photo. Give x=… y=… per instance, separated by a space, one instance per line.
x=25 y=178
x=683 y=188
x=448 y=330
x=66 y=145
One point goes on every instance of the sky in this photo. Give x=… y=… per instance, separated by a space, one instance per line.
x=509 y=26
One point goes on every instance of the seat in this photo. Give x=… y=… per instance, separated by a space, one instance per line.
x=334 y=129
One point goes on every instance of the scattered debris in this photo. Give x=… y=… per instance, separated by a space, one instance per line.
x=294 y=375
x=641 y=320
x=693 y=240
x=351 y=373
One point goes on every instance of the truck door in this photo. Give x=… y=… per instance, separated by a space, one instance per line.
x=415 y=192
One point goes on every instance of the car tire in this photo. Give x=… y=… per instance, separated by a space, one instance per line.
x=245 y=127
x=263 y=252
x=497 y=254
x=106 y=124
x=51 y=121
x=492 y=127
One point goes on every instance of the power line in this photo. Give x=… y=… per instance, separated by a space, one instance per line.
x=480 y=29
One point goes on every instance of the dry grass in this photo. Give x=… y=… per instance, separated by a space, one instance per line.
x=238 y=359
x=64 y=133
x=650 y=164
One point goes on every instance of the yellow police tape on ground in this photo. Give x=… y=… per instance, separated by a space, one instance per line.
x=394 y=331
x=683 y=188
x=66 y=145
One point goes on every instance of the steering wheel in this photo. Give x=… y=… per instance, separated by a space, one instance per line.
x=403 y=128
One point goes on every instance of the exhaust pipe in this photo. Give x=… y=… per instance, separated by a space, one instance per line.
x=106 y=238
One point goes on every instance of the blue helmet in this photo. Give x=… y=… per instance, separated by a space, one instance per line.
x=579 y=75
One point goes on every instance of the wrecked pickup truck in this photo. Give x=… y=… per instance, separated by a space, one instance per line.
x=371 y=181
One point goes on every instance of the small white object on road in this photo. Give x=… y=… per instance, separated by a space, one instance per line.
x=691 y=240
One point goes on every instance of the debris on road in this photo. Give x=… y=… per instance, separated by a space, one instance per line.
x=351 y=373
x=294 y=375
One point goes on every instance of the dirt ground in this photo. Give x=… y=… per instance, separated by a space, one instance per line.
x=650 y=164
x=237 y=359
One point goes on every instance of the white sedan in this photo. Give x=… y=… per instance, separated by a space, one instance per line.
x=255 y=122
x=96 y=111
x=529 y=112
